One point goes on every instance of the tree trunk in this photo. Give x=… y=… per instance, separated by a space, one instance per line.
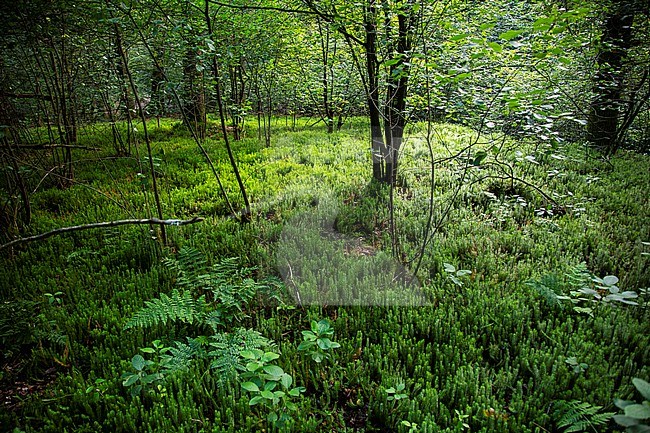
x=605 y=107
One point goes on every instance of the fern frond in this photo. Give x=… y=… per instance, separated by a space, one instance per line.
x=181 y=356
x=578 y=416
x=226 y=349
x=191 y=268
x=180 y=306
x=579 y=276
x=547 y=287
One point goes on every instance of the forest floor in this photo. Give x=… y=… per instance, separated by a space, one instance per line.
x=495 y=300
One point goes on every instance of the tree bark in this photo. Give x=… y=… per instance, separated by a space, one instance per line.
x=605 y=107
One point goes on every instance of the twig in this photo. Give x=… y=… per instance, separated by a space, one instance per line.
x=171 y=222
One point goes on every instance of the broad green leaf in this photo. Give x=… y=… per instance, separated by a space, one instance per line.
x=459 y=37
x=622 y=404
x=270 y=356
x=273 y=370
x=625 y=421
x=610 y=280
x=286 y=380
x=250 y=387
x=510 y=34
x=495 y=47
x=449 y=267
x=147 y=350
x=643 y=387
x=267 y=395
x=479 y=158
x=253 y=401
x=131 y=380
x=638 y=411
x=138 y=362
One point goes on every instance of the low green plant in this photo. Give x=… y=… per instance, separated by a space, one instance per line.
x=455 y=275
x=55 y=298
x=461 y=423
x=317 y=342
x=636 y=416
x=149 y=374
x=576 y=366
x=209 y=299
x=583 y=290
x=579 y=416
x=269 y=386
x=97 y=390
x=396 y=393
x=146 y=375
x=412 y=427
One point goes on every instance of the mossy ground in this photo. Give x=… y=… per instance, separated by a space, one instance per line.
x=492 y=348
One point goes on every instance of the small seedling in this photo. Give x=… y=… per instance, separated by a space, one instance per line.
x=455 y=275
x=317 y=342
x=396 y=393
x=578 y=367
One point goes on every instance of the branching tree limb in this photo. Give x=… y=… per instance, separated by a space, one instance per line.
x=170 y=222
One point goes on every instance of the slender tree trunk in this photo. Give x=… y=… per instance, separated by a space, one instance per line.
x=152 y=170
x=605 y=107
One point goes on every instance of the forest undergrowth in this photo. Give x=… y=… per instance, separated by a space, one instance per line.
x=511 y=298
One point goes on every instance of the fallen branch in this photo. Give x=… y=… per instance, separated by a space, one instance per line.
x=55 y=146
x=100 y=225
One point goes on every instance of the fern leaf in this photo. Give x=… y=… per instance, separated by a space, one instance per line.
x=578 y=416
x=177 y=307
x=227 y=347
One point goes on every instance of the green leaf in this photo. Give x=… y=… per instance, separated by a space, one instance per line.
x=295 y=392
x=459 y=37
x=253 y=401
x=449 y=267
x=643 y=387
x=138 y=362
x=286 y=380
x=273 y=370
x=638 y=411
x=610 y=280
x=147 y=350
x=495 y=47
x=510 y=34
x=267 y=395
x=270 y=356
x=131 y=380
x=622 y=404
x=250 y=387
x=306 y=345
x=639 y=428
x=478 y=159
x=248 y=354
x=323 y=326
x=625 y=421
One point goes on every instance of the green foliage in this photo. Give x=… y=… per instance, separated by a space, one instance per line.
x=180 y=306
x=578 y=416
x=582 y=289
x=396 y=393
x=494 y=351
x=269 y=386
x=636 y=416
x=317 y=342
x=455 y=275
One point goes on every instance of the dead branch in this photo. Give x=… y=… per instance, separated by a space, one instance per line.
x=172 y=222
x=54 y=146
